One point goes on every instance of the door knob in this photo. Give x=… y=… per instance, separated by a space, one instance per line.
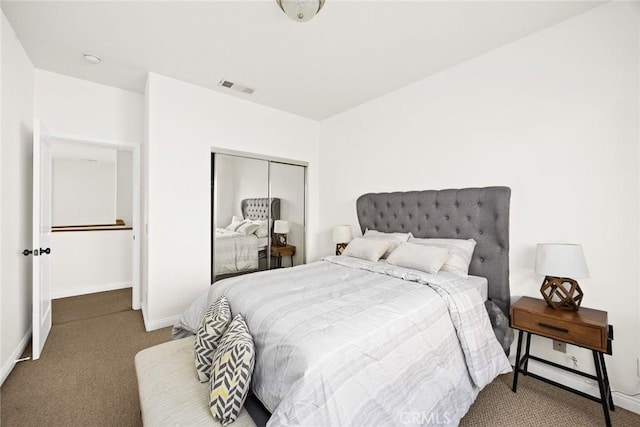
x=35 y=252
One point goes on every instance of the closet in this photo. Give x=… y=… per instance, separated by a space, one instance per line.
x=258 y=211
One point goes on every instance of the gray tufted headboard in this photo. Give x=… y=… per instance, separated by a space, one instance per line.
x=258 y=208
x=481 y=214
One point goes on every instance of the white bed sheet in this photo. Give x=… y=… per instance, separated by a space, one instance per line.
x=481 y=284
x=262 y=242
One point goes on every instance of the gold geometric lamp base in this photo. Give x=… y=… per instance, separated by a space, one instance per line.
x=341 y=236
x=561 y=293
x=340 y=247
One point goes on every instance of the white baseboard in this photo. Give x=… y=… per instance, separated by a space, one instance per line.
x=89 y=289
x=152 y=325
x=8 y=366
x=582 y=384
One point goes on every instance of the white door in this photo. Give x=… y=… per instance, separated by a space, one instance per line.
x=41 y=236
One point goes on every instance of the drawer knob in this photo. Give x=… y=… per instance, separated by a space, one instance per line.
x=554 y=328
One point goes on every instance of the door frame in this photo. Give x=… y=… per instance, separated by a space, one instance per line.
x=135 y=149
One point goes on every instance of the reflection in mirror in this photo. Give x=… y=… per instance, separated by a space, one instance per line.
x=241 y=217
x=288 y=184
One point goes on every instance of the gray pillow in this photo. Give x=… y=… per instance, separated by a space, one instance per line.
x=212 y=327
x=231 y=372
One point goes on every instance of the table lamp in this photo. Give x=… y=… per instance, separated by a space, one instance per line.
x=341 y=237
x=280 y=229
x=561 y=264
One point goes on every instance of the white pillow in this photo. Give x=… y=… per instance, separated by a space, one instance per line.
x=369 y=249
x=247 y=227
x=263 y=228
x=419 y=257
x=460 y=252
x=393 y=238
x=234 y=225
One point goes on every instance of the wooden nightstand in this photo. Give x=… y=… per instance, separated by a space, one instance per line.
x=586 y=328
x=278 y=252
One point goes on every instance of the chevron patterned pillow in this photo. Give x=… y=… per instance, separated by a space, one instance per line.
x=210 y=332
x=231 y=372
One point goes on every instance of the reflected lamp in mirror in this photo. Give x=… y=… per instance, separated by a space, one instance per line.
x=341 y=237
x=280 y=229
x=561 y=264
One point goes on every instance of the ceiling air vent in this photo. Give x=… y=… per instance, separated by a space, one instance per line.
x=235 y=86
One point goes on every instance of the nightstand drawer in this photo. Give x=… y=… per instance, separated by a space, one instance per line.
x=578 y=334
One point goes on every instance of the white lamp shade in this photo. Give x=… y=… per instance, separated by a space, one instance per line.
x=561 y=260
x=342 y=234
x=281 y=227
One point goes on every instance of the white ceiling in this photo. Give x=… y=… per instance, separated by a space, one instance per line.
x=352 y=52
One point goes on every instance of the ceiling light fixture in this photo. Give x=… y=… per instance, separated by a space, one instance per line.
x=91 y=59
x=300 y=10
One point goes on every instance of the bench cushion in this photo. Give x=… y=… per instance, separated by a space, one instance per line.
x=170 y=393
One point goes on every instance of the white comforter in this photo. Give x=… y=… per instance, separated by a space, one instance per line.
x=344 y=342
x=235 y=252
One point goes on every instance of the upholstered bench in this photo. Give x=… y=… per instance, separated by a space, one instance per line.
x=170 y=393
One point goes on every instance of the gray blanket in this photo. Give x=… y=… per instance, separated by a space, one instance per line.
x=500 y=325
x=361 y=343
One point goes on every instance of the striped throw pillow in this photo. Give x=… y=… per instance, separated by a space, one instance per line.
x=460 y=253
x=231 y=372
x=212 y=328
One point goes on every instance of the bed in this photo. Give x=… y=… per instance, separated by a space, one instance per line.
x=345 y=341
x=236 y=252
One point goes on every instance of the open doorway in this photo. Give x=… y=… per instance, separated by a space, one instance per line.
x=94 y=210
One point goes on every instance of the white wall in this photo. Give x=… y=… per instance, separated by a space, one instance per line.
x=124 y=186
x=184 y=123
x=225 y=202
x=69 y=106
x=15 y=198
x=554 y=116
x=90 y=261
x=84 y=192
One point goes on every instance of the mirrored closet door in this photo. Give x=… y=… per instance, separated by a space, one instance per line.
x=258 y=214
x=287 y=183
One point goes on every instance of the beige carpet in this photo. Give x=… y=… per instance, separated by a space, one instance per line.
x=91 y=305
x=538 y=404
x=86 y=377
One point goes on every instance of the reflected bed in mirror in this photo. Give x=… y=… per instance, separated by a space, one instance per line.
x=241 y=247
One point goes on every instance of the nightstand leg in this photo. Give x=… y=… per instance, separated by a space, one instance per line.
x=517 y=367
x=603 y=393
x=526 y=354
x=607 y=386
